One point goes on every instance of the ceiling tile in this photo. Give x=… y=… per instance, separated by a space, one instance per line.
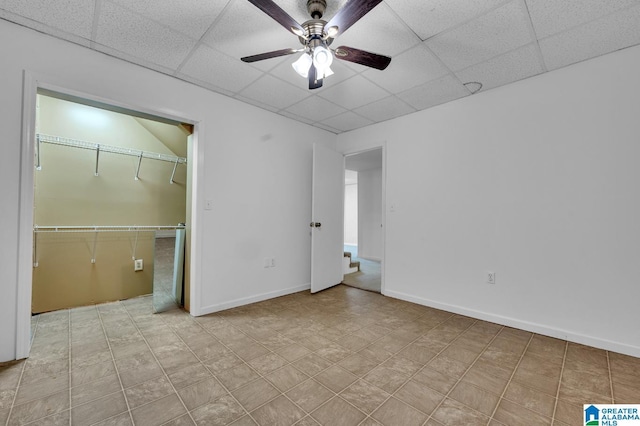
x=616 y=31
x=315 y=108
x=190 y=17
x=515 y=65
x=384 y=109
x=72 y=16
x=285 y=72
x=125 y=31
x=379 y=31
x=244 y=30
x=411 y=68
x=430 y=17
x=274 y=92
x=43 y=28
x=499 y=31
x=346 y=121
x=215 y=68
x=287 y=114
x=135 y=59
x=354 y=92
x=435 y=92
x=297 y=9
x=553 y=16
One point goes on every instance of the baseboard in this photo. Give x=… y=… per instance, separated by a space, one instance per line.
x=251 y=299
x=522 y=325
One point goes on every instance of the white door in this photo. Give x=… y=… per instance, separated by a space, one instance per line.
x=327 y=218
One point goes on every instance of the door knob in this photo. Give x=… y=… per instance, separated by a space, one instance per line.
x=315 y=224
x=318 y=224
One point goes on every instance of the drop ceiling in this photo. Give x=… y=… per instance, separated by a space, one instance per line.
x=437 y=47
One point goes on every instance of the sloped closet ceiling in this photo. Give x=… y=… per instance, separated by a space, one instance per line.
x=437 y=46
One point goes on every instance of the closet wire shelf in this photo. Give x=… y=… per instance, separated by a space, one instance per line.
x=96 y=229
x=58 y=140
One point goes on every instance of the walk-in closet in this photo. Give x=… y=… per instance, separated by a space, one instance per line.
x=110 y=212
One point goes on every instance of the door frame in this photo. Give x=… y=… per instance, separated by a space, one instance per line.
x=383 y=146
x=33 y=81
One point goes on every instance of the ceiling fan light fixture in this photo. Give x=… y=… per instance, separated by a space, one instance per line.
x=322 y=57
x=326 y=72
x=332 y=31
x=302 y=65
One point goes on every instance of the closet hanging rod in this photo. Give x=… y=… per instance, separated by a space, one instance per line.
x=104 y=228
x=58 y=140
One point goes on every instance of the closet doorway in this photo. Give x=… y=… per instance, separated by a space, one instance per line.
x=110 y=205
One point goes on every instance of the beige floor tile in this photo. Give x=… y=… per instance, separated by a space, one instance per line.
x=453 y=413
x=220 y=412
x=311 y=364
x=41 y=388
x=189 y=376
x=333 y=352
x=99 y=409
x=513 y=414
x=358 y=364
x=265 y=364
x=254 y=394
x=244 y=421
x=134 y=376
x=225 y=362
x=420 y=396
x=293 y=352
x=364 y=396
x=530 y=398
x=235 y=377
x=336 y=378
x=94 y=390
x=286 y=378
x=337 y=412
x=309 y=395
x=201 y=393
x=159 y=411
x=307 y=421
x=392 y=374
x=435 y=380
x=34 y=410
x=395 y=412
x=148 y=391
x=91 y=373
x=279 y=412
x=477 y=398
x=123 y=419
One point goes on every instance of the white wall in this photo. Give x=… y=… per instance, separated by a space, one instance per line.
x=537 y=181
x=351 y=214
x=256 y=214
x=370 y=214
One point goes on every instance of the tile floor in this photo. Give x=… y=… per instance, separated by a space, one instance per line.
x=341 y=357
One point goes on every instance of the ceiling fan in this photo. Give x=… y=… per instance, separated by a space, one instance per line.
x=316 y=35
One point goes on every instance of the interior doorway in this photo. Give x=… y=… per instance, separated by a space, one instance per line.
x=110 y=198
x=363 y=238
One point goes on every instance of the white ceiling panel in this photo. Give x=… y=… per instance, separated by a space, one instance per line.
x=553 y=16
x=244 y=30
x=315 y=108
x=346 y=121
x=430 y=17
x=434 y=93
x=123 y=30
x=411 y=68
x=219 y=70
x=504 y=69
x=499 y=31
x=72 y=16
x=385 y=109
x=435 y=46
x=272 y=91
x=353 y=93
x=614 y=32
x=190 y=17
x=397 y=37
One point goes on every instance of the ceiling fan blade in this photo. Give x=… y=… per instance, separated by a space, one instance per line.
x=269 y=55
x=362 y=57
x=351 y=13
x=279 y=15
x=314 y=81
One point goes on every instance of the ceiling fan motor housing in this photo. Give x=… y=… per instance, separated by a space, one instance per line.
x=314 y=32
x=316 y=8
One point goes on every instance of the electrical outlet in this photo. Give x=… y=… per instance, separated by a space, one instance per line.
x=491 y=277
x=138 y=265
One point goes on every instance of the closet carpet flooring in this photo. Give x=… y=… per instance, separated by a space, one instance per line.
x=340 y=357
